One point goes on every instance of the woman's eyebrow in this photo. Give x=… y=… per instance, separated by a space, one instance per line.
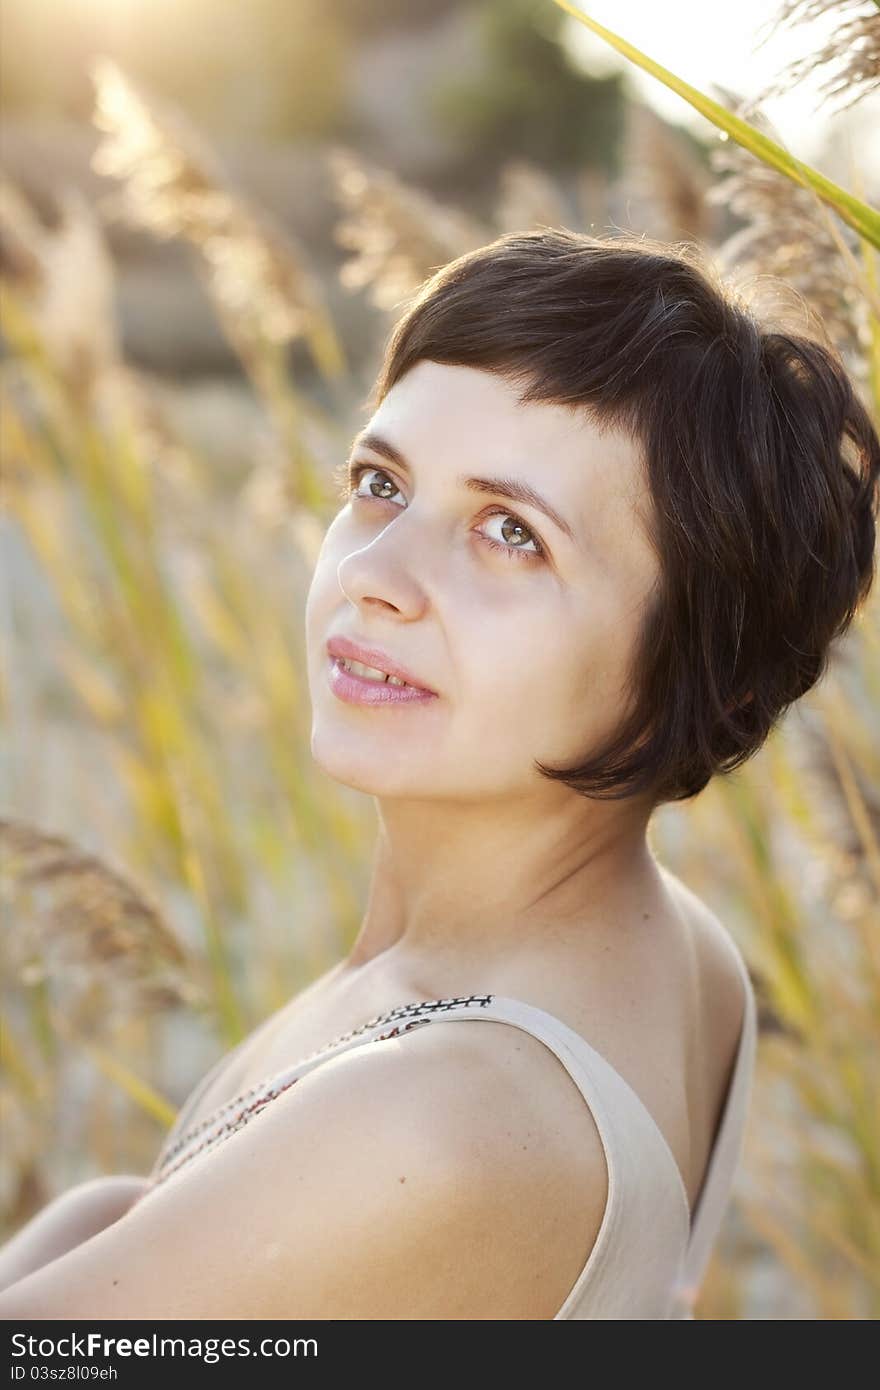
x=514 y=488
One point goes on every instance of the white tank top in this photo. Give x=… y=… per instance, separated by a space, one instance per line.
x=651 y=1253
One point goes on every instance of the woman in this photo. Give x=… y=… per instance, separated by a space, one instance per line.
x=600 y=533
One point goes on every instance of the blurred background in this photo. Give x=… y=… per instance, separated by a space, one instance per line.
x=211 y=215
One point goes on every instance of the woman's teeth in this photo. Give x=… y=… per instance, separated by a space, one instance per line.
x=369 y=672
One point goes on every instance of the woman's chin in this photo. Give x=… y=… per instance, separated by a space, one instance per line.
x=357 y=766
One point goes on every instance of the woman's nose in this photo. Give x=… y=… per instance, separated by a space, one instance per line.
x=389 y=570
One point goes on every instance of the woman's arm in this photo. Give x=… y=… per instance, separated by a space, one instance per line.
x=90 y=1207
x=67 y=1221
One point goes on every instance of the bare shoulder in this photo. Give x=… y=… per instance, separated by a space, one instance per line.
x=717 y=961
x=448 y=1173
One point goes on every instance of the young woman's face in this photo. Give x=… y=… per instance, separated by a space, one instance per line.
x=523 y=631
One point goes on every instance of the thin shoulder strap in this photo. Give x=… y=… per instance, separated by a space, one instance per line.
x=199 y=1091
x=726 y=1153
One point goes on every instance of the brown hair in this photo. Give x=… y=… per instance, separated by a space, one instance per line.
x=764 y=530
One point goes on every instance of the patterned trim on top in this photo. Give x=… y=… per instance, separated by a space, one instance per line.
x=249 y=1102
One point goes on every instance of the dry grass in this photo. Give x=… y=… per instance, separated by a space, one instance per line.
x=790 y=241
x=849 y=59
x=176 y=696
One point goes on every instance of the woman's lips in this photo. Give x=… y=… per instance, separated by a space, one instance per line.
x=366 y=655
x=359 y=690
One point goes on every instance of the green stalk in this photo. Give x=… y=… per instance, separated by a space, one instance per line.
x=860 y=216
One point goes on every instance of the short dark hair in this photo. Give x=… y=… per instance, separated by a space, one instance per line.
x=763 y=527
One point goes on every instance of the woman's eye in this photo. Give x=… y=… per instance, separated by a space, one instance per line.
x=511 y=536
x=510 y=544
x=383 y=490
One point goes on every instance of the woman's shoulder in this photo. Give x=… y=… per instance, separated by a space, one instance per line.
x=718 y=958
x=722 y=982
x=336 y=1215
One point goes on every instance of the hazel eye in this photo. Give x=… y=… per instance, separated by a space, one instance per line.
x=379 y=491
x=511 y=544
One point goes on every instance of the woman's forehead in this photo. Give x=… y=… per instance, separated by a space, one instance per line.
x=463 y=419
